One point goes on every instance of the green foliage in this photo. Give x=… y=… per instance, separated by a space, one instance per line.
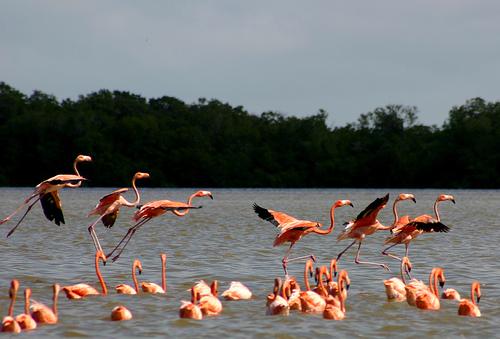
x=212 y=144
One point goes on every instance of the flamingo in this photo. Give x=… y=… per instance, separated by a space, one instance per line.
x=191 y=309
x=401 y=221
x=47 y=193
x=366 y=223
x=127 y=289
x=320 y=287
x=332 y=284
x=237 y=291
x=291 y=293
x=428 y=299
x=292 y=229
x=154 y=209
x=450 y=294
x=276 y=304
x=210 y=304
x=25 y=320
x=311 y=302
x=335 y=308
x=79 y=291
x=395 y=287
x=44 y=315
x=120 y=313
x=202 y=288
x=109 y=207
x=424 y=223
x=9 y=324
x=469 y=307
x=150 y=287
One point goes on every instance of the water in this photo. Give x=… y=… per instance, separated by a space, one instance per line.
x=225 y=240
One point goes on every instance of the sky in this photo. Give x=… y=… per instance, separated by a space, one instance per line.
x=287 y=56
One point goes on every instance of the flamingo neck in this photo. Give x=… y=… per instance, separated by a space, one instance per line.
x=54 y=301
x=99 y=276
x=332 y=223
x=320 y=281
x=12 y=301
x=137 y=196
x=75 y=167
x=134 y=279
x=333 y=269
x=433 y=283
x=189 y=201
x=164 y=274
x=395 y=212
x=306 y=280
x=436 y=213
x=26 y=302
x=403 y=263
x=341 y=283
x=472 y=294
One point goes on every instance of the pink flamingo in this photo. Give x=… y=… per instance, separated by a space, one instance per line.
x=210 y=304
x=150 y=287
x=450 y=294
x=47 y=193
x=120 y=313
x=191 y=310
x=335 y=307
x=79 y=291
x=44 y=315
x=366 y=223
x=25 y=320
x=237 y=291
x=424 y=223
x=9 y=324
x=127 y=289
x=154 y=209
x=395 y=287
x=292 y=229
x=311 y=302
x=469 y=307
x=428 y=299
x=276 y=304
x=109 y=207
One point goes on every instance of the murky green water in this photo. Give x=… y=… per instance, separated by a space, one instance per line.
x=225 y=240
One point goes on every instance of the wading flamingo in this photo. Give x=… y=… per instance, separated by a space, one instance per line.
x=428 y=299
x=191 y=310
x=79 y=291
x=290 y=291
x=450 y=294
x=150 y=287
x=276 y=304
x=127 y=289
x=25 y=320
x=120 y=313
x=47 y=193
x=109 y=207
x=292 y=229
x=335 y=308
x=9 y=324
x=469 y=307
x=395 y=287
x=41 y=313
x=210 y=304
x=311 y=302
x=154 y=209
x=423 y=223
x=237 y=291
x=366 y=223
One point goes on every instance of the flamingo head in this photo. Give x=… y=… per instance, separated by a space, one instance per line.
x=27 y=293
x=100 y=255
x=137 y=265
x=406 y=196
x=82 y=157
x=444 y=197
x=204 y=194
x=333 y=268
x=141 y=175
x=340 y=203
x=56 y=288
x=344 y=277
x=14 y=286
x=406 y=262
x=439 y=274
x=214 y=288
x=477 y=288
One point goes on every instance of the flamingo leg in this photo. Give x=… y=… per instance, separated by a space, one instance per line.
x=3 y=221
x=384 y=252
x=357 y=261
x=22 y=218
x=91 y=230
x=345 y=250
x=131 y=231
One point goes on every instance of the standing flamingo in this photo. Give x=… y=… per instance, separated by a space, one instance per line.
x=154 y=209
x=366 y=223
x=25 y=320
x=292 y=229
x=127 y=289
x=47 y=193
x=469 y=307
x=109 y=207
x=150 y=287
x=395 y=287
x=191 y=310
x=79 y=291
x=428 y=299
x=9 y=324
x=424 y=223
x=120 y=313
x=44 y=315
x=237 y=291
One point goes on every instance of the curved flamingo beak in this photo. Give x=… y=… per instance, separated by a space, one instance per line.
x=441 y=283
x=414 y=200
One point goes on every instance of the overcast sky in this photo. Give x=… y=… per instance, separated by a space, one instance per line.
x=293 y=57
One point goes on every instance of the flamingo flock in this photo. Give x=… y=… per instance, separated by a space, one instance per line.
x=328 y=298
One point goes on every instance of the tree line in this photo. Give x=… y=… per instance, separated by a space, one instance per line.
x=213 y=144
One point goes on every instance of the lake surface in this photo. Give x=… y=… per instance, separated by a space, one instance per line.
x=225 y=240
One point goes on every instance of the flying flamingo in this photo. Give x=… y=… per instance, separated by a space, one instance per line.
x=79 y=291
x=191 y=310
x=120 y=313
x=154 y=209
x=469 y=307
x=292 y=229
x=276 y=304
x=25 y=320
x=127 y=289
x=366 y=223
x=395 y=287
x=428 y=299
x=290 y=291
x=44 y=315
x=423 y=223
x=310 y=301
x=210 y=304
x=109 y=207
x=401 y=221
x=237 y=291
x=150 y=287
x=47 y=193
x=9 y=324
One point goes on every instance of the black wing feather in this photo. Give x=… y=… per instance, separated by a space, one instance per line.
x=435 y=226
x=373 y=206
x=51 y=210
x=265 y=215
x=59 y=181
x=109 y=219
